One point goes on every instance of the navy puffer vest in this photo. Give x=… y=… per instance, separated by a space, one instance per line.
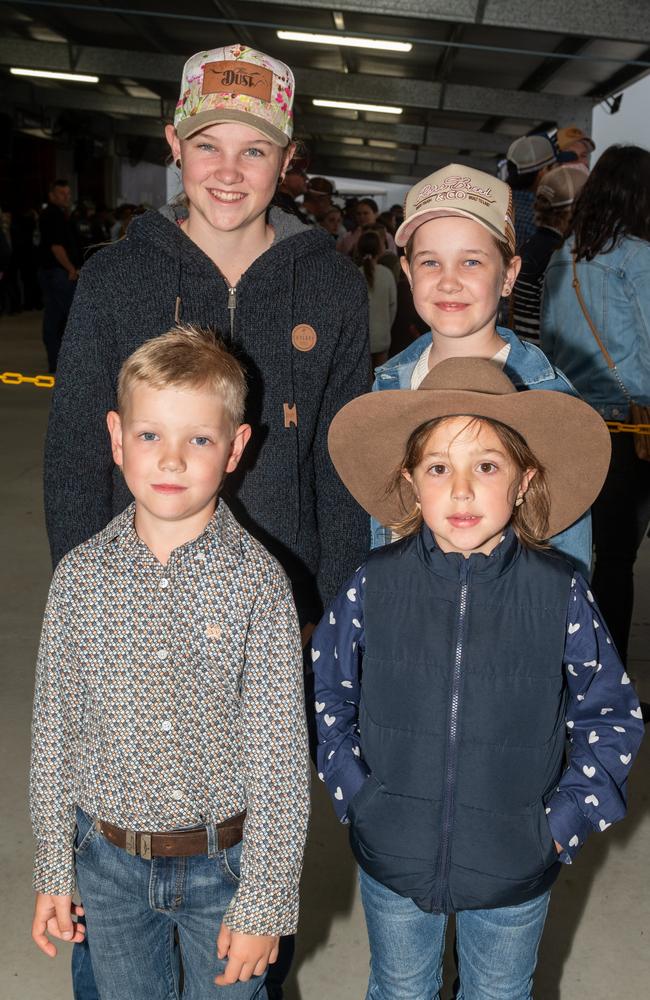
x=462 y=722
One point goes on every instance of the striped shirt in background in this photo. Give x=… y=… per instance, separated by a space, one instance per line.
x=527 y=293
x=523 y=202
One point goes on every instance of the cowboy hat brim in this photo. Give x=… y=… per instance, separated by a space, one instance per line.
x=368 y=437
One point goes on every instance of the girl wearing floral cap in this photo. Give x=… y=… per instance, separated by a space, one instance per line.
x=292 y=309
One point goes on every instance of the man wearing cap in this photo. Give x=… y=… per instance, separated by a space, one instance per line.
x=574 y=146
x=291 y=187
x=317 y=199
x=529 y=158
x=556 y=194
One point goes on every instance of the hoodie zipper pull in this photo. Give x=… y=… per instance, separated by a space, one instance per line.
x=232 y=305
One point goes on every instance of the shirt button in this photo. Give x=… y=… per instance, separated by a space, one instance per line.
x=163 y=654
x=166 y=725
x=177 y=795
x=164 y=583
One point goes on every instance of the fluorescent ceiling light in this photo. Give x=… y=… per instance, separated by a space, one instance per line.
x=382 y=143
x=359 y=43
x=351 y=140
x=383 y=109
x=46 y=74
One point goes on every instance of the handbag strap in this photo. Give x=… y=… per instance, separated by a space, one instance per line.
x=607 y=356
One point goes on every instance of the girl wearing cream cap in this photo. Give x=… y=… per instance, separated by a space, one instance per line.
x=459 y=239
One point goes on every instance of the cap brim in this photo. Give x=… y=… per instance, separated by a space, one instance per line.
x=367 y=441
x=219 y=116
x=408 y=227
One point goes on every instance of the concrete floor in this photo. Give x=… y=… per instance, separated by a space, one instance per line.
x=596 y=943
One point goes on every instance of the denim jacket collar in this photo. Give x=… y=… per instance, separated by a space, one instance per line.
x=526 y=364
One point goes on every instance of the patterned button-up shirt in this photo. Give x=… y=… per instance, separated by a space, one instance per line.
x=171 y=696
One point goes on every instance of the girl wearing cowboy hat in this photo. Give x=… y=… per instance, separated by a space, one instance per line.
x=453 y=666
x=459 y=240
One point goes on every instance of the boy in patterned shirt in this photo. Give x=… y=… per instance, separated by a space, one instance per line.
x=170 y=776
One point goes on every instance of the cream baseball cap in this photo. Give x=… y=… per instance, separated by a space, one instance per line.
x=240 y=84
x=530 y=153
x=463 y=191
x=561 y=186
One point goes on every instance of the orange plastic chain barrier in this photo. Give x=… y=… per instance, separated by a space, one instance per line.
x=15 y=378
x=617 y=426
x=47 y=382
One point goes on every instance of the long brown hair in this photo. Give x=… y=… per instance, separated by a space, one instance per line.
x=529 y=521
x=615 y=202
x=368 y=247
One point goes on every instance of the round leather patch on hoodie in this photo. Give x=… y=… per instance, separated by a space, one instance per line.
x=303 y=337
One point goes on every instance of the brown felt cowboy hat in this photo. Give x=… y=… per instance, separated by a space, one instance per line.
x=368 y=437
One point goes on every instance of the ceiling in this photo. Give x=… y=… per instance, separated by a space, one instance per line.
x=480 y=72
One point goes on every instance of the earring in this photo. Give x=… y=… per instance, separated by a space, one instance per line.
x=178 y=163
x=519 y=501
x=507 y=290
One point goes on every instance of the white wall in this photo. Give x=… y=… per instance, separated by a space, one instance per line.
x=384 y=194
x=141 y=183
x=631 y=123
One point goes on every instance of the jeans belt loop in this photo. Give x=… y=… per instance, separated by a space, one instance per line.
x=213 y=839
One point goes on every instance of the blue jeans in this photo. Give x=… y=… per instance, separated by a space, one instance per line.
x=134 y=907
x=497 y=949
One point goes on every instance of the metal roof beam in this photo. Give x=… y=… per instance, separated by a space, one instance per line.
x=89 y=59
x=333 y=149
x=434 y=97
x=629 y=21
x=477 y=142
x=86 y=100
x=411 y=172
x=412 y=135
x=363 y=169
x=329 y=125
x=342 y=86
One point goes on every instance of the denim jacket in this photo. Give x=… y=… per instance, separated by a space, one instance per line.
x=528 y=368
x=616 y=290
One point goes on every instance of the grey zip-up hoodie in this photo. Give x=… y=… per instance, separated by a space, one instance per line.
x=285 y=491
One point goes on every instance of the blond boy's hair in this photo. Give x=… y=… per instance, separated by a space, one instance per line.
x=187 y=357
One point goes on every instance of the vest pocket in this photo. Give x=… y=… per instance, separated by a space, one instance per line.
x=510 y=846
x=547 y=849
x=358 y=802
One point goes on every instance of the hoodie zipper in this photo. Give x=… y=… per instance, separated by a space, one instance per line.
x=452 y=740
x=232 y=306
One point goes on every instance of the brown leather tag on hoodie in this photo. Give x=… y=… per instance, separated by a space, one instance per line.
x=303 y=337
x=235 y=77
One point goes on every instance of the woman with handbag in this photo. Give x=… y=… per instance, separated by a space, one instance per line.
x=595 y=326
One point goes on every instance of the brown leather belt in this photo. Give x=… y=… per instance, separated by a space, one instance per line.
x=176 y=843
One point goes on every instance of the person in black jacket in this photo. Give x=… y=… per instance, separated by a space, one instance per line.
x=293 y=310
x=454 y=664
x=60 y=260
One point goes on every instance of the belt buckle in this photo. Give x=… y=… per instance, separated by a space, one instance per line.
x=145 y=846
x=130 y=845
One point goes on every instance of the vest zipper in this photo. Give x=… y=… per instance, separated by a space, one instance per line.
x=232 y=306
x=452 y=741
